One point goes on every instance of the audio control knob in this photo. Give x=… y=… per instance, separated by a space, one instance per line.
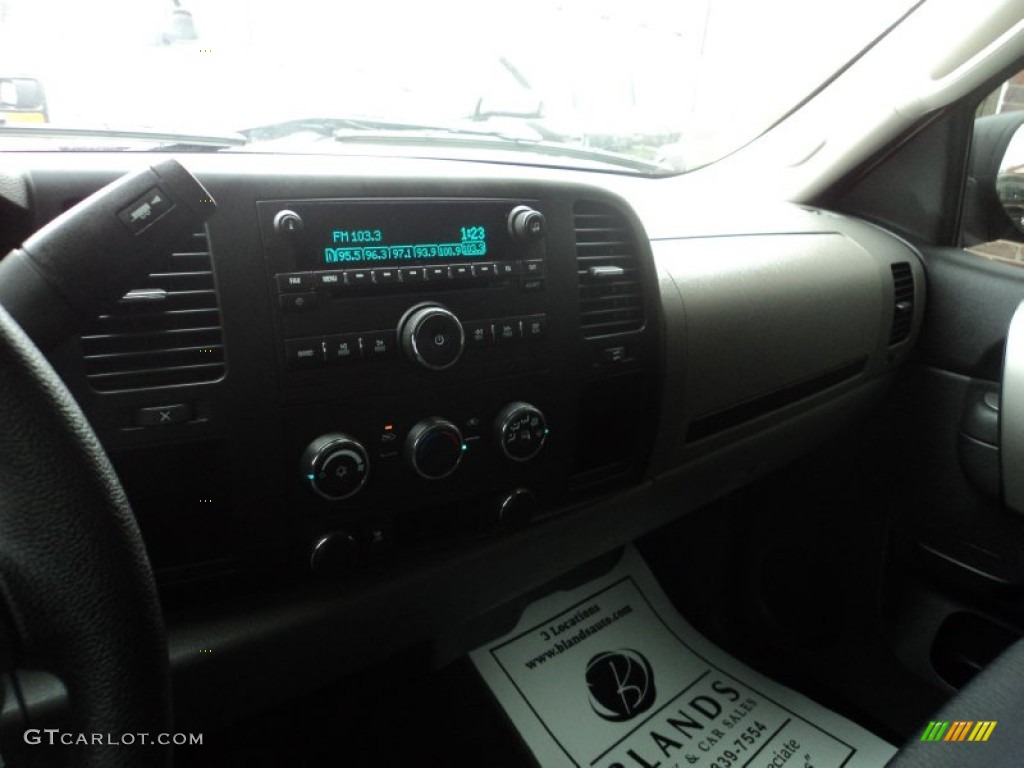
x=432 y=336
x=335 y=466
x=434 y=448
x=288 y=224
x=520 y=431
x=526 y=224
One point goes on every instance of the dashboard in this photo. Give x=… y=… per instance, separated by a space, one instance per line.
x=375 y=399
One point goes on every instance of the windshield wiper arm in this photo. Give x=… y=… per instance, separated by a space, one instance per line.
x=165 y=139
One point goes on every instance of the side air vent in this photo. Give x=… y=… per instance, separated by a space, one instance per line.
x=903 y=302
x=165 y=332
x=607 y=260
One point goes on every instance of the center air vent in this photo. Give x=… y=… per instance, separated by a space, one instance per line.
x=903 y=302
x=611 y=296
x=165 y=332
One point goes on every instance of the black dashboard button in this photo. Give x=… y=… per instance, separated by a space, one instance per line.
x=479 y=333
x=358 y=277
x=532 y=268
x=303 y=354
x=534 y=326
x=484 y=271
x=413 y=274
x=460 y=271
x=503 y=269
x=378 y=344
x=386 y=276
x=331 y=279
x=343 y=348
x=531 y=284
x=437 y=273
x=295 y=282
x=507 y=330
x=297 y=302
x=163 y=414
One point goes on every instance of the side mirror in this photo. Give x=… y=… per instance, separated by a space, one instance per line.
x=180 y=26
x=22 y=100
x=1010 y=180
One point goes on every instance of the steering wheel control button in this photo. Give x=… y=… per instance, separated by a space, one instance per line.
x=288 y=224
x=520 y=431
x=526 y=224
x=161 y=415
x=343 y=348
x=295 y=282
x=335 y=466
x=297 y=302
x=434 y=448
x=145 y=209
x=333 y=554
x=432 y=336
x=304 y=354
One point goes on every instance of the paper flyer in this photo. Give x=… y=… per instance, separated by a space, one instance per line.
x=609 y=675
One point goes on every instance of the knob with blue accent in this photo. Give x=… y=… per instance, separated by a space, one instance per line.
x=434 y=448
x=520 y=431
x=335 y=466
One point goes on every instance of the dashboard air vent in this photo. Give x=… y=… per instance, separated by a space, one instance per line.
x=607 y=260
x=165 y=332
x=903 y=302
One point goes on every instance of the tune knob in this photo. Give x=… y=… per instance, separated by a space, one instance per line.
x=434 y=448
x=520 y=431
x=432 y=336
x=335 y=466
x=525 y=223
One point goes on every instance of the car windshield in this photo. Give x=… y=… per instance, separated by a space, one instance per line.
x=645 y=86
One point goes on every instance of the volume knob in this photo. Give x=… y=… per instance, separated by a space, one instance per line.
x=432 y=336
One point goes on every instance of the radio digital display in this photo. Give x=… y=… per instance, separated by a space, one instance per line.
x=393 y=234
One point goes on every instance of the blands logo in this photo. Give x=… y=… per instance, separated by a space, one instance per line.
x=959 y=730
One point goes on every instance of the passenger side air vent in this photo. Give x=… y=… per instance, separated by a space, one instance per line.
x=165 y=332
x=607 y=260
x=903 y=302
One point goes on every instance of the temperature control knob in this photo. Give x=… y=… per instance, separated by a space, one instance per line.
x=434 y=448
x=525 y=224
x=432 y=336
x=335 y=466
x=520 y=431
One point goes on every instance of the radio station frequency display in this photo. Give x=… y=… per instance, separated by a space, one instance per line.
x=407 y=232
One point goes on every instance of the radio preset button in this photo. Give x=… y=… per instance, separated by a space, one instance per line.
x=297 y=302
x=461 y=271
x=358 y=277
x=485 y=271
x=385 y=276
x=413 y=274
x=437 y=273
x=295 y=282
x=503 y=269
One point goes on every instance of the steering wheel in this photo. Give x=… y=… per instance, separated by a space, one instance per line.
x=75 y=579
x=74 y=574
